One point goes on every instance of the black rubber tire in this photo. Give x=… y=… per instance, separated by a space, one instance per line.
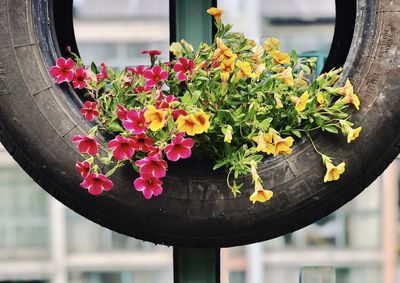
x=38 y=118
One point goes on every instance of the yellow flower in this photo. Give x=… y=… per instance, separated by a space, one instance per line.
x=287 y=76
x=352 y=134
x=188 y=124
x=299 y=81
x=271 y=43
x=223 y=52
x=224 y=78
x=244 y=70
x=155 y=118
x=203 y=121
x=352 y=99
x=228 y=134
x=278 y=101
x=322 y=101
x=332 y=172
x=346 y=90
x=250 y=42
x=187 y=45
x=176 y=49
x=228 y=65
x=260 y=194
x=300 y=102
x=264 y=142
x=280 y=57
x=216 y=12
x=258 y=64
x=282 y=145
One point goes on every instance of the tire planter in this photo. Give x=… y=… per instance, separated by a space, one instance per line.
x=38 y=119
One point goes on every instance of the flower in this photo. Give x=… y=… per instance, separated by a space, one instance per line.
x=135 y=122
x=141 y=89
x=261 y=195
x=152 y=52
x=282 y=145
x=142 y=142
x=280 y=57
x=223 y=52
x=155 y=75
x=121 y=112
x=287 y=76
x=347 y=89
x=203 y=120
x=152 y=166
x=332 y=172
x=228 y=134
x=80 y=77
x=179 y=148
x=300 y=103
x=216 y=12
x=155 y=118
x=244 y=70
x=103 y=73
x=278 y=101
x=122 y=148
x=148 y=185
x=258 y=63
x=168 y=102
x=264 y=142
x=89 y=110
x=188 y=124
x=178 y=112
x=228 y=65
x=322 y=100
x=351 y=98
x=176 y=49
x=96 y=183
x=352 y=134
x=139 y=70
x=271 y=43
x=63 y=71
x=184 y=68
x=224 y=78
x=86 y=144
x=83 y=168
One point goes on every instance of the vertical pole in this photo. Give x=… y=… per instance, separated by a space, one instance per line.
x=189 y=20
x=196 y=265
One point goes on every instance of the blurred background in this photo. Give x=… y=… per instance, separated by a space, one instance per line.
x=43 y=241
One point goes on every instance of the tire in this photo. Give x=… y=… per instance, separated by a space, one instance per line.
x=38 y=119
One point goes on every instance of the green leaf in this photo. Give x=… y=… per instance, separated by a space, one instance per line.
x=296 y=133
x=330 y=129
x=93 y=67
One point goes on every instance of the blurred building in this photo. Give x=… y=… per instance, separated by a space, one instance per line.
x=42 y=241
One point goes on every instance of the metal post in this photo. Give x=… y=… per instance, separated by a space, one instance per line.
x=196 y=265
x=189 y=20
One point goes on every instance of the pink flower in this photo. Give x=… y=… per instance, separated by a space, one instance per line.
x=141 y=89
x=122 y=148
x=103 y=73
x=90 y=110
x=167 y=101
x=135 y=122
x=142 y=142
x=83 y=168
x=152 y=166
x=155 y=75
x=96 y=183
x=121 y=112
x=86 y=144
x=155 y=152
x=148 y=185
x=80 y=77
x=139 y=70
x=152 y=52
x=177 y=113
x=63 y=71
x=184 y=69
x=179 y=148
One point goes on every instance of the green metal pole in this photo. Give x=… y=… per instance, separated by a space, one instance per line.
x=196 y=265
x=189 y=20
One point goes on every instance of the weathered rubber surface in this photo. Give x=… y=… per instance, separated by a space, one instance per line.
x=37 y=120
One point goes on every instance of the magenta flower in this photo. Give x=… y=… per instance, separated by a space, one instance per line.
x=142 y=142
x=139 y=70
x=80 y=78
x=122 y=148
x=179 y=148
x=103 y=73
x=135 y=122
x=166 y=103
x=86 y=144
x=63 y=71
x=152 y=166
x=121 y=112
x=83 y=168
x=155 y=75
x=152 y=52
x=141 y=89
x=148 y=185
x=177 y=113
x=96 y=183
x=184 y=69
x=90 y=110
